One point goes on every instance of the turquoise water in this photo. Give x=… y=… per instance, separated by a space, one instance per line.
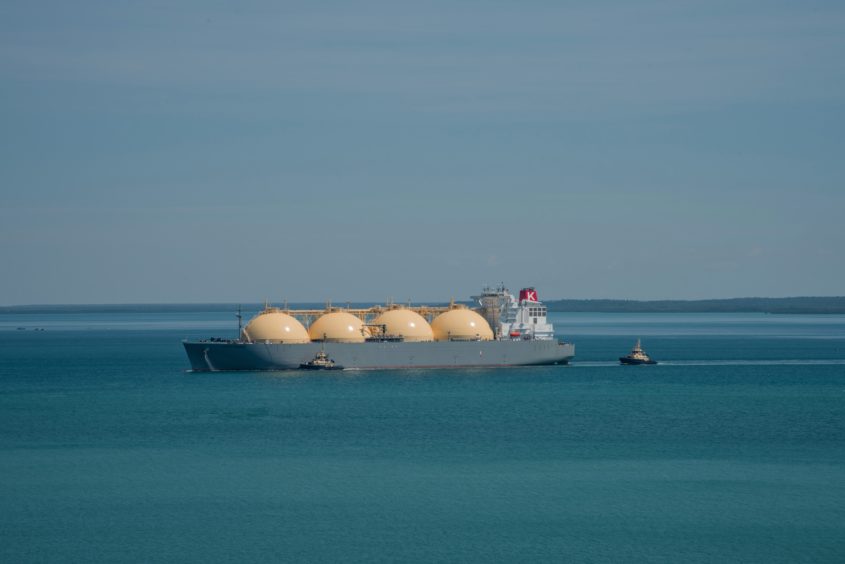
x=732 y=449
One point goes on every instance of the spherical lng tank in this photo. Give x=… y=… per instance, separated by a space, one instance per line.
x=276 y=327
x=338 y=327
x=405 y=323
x=461 y=324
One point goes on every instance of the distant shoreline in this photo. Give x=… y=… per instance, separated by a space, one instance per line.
x=794 y=305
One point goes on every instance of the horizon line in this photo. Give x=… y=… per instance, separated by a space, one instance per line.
x=336 y=304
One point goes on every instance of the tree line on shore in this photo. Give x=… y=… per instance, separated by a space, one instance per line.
x=733 y=305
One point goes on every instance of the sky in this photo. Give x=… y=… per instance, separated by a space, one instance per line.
x=227 y=151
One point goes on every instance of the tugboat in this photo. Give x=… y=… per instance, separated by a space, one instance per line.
x=637 y=356
x=321 y=361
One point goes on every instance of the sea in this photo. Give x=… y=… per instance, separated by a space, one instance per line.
x=732 y=449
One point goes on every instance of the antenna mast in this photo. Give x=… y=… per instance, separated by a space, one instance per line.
x=240 y=321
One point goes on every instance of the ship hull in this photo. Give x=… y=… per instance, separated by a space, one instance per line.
x=635 y=361
x=225 y=356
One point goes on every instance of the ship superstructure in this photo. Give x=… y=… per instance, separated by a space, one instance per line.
x=504 y=331
x=522 y=319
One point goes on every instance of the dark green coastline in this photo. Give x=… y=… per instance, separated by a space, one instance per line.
x=794 y=305
x=797 y=305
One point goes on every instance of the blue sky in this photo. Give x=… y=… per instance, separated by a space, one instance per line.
x=241 y=151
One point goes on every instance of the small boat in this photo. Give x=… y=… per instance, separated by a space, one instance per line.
x=321 y=361
x=637 y=356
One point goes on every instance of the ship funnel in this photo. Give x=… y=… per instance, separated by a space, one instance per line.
x=528 y=294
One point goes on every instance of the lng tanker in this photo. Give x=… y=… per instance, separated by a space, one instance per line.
x=501 y=331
